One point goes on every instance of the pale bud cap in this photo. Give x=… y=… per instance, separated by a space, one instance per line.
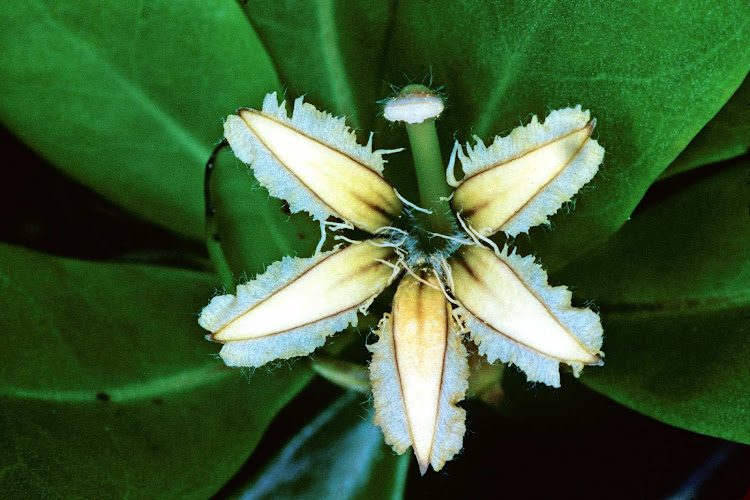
x=414 y=104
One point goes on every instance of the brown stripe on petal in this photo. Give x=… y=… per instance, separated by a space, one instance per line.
x=420 y=329
x=241 y=113
x=521 y=190
x=418 y=373
x=351 y=190
x=487 y=203
x=341 y=281
x=520 y=305
x=457 y=260
x=590 y=125
x=556 y=176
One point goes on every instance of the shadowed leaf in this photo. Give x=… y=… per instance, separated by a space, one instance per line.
x=674 y=288
x=726 y=136
x=129 y=98
x=108 y=387
x=340 y=454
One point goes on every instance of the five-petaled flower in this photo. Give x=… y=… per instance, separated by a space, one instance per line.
x=456 y=282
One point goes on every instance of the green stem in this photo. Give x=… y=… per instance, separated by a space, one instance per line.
x=428 y=162
x=216 y=254
x=213 y=240
x=433 y=188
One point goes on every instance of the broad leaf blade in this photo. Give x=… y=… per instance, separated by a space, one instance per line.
x=108 y=387
x=726 y=136
x=340 y=454
x=334 y=52
x=674 y=288
x=687 y=371
x=255 y=229
x=129 y=98
x=652 y=73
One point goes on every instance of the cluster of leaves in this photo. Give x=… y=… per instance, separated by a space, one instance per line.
x=107 y=384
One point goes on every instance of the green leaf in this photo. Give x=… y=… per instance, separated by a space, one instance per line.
x=726 y=136
x=674 y=289
x=340 y=454
x=652 y=73
x=128 y=98
x=108 y=388
x=334 y=52
x=254 y=228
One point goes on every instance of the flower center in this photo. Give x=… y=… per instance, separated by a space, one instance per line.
x=425 y=239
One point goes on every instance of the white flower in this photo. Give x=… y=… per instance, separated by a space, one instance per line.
x=456 y=283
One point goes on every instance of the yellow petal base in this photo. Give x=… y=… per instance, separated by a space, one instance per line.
x=419 y=372
x=515 y=316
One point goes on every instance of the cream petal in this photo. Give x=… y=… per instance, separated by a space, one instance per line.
x=419 y=371
x=523 y=178
x=291 y=308
x=312 y=160
x=514 y=315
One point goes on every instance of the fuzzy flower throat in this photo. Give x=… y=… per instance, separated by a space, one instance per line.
x=454 y=281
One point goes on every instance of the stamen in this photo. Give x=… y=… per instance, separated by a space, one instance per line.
x=391 y=228
x=388 y=232
x=447 y=198
x=364 y=308
x=466 y=228
x=488 y=241
x=460 y=314
x=389 y=151
x=460 y=321
x=412 y=205
x=416 y=277
x=381 y=151
x=452 y=238
x=447 y=271
x=442 y=288
x=450 y=172
x=476 y=234
x=338 y=226
x=469 y=229
x=341 y=237
x=395 y=267
x=389 y=243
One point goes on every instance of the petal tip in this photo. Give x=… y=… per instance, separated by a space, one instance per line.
x=218 y=336
x=312 y=161
x=598 y=359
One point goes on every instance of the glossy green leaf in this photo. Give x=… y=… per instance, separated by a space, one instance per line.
x=128 y=98
x=255 y=229
x=652 y=73
x=339 y=455
x=726 y=136
x=108 y=388
x=674 y=289
x=334 y=52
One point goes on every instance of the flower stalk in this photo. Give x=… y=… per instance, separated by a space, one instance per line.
x=428 y=163
x=418 y=107
x=213 y=240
